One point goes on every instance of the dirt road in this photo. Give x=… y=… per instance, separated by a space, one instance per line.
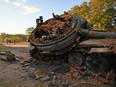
x=15 y=74
x=19 y=50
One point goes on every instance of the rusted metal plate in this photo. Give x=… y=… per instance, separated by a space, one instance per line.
x=100 y=50
x=39 y=74
x=110 y=76
x=114 y=50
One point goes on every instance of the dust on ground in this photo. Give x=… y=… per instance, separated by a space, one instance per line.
x=26 y=72
x=14 y=74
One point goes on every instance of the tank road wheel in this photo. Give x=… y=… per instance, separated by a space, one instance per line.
x=75 y=58
x=35 y=54
x=96 y=63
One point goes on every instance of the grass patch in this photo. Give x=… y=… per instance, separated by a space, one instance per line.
x=20 y=84
x=1 y=47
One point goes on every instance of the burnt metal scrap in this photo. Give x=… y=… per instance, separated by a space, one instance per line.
x=7 y=56
x=65 y=34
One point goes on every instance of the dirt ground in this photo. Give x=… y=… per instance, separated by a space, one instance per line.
x=15 y=74
x=25 y=73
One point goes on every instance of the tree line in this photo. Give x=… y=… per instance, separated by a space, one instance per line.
x=102 y=13
x=12 y=37
x=4 y=37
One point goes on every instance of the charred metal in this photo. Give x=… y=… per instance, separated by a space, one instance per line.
x=70 y=36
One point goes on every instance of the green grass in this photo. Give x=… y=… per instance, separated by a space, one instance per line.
x=1 y=47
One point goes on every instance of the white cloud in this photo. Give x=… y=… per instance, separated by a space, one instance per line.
x=7 y=1
x=24 y=0
x=26 y=9
x=10 y=1
x=19 y=4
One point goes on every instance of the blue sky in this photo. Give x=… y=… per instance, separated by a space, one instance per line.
x=17 y=15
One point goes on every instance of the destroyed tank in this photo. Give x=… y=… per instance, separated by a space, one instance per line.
x=73 y=38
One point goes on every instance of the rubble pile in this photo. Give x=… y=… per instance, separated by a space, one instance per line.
x=7 y=56
x=74 y=76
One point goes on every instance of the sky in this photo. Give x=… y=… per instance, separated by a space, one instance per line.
x=18 y=15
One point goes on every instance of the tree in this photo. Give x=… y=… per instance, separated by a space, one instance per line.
x=2 y=36
x=75 y=10
x=28 y=32
x=100 y=12
x=85 y=10
x=110 y=13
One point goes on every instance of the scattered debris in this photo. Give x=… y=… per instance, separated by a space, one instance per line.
x=45 y=78
x=114 y=50
x=8 y=56
x=84 y=84
x=2 y=53
x=54 y=68
x=39 y=74
x=77 y=68
x=100 y=79
x=110 y=76
x=52 y=84
x=65 y=84
x=26 y=63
